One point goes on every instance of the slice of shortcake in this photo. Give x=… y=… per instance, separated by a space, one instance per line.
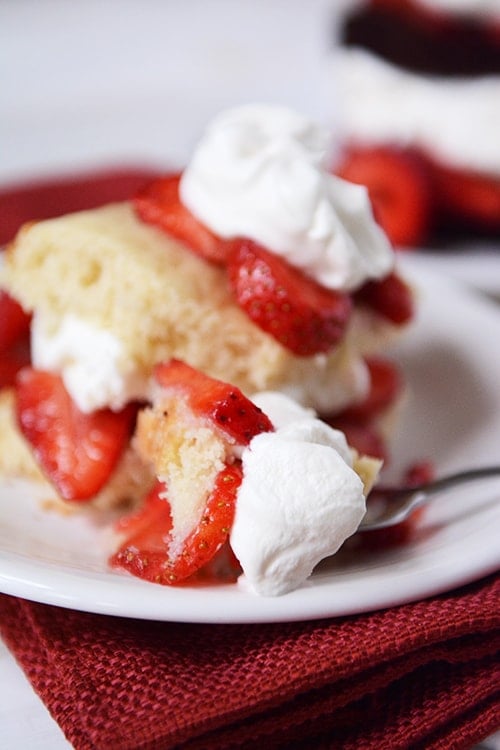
x=284 y=495
x=255 y=266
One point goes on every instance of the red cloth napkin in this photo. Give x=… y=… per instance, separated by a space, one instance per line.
x=422 y=675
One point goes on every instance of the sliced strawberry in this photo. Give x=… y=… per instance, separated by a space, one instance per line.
x=223 y=404
x=14 y=322
x=214 y=527
x=76 y=451
x=175 y=538
x=159 y=203
x=303 y=316
x=12 y=360
x=390 y=297
x=145 y=553
x=385 y=386
x=399 y=189
x=468 y=196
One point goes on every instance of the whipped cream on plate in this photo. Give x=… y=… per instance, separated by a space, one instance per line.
x=98 y=374
x=457 y=121
x=260 y=172
x=299 y=500
x=92 y=363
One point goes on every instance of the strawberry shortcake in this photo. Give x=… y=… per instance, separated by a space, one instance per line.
x=230 y=484
x=418 y=89
x=255 y=266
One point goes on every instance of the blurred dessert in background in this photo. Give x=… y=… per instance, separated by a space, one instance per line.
x=418 y=90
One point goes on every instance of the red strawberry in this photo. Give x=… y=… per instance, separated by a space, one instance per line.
x=399 y=189
x=76 y=451
x=223 y=404
x=14 y=322
x=469 y=197
x=160 y=547
x=13 y=360
x=147 y=531
x=385 y=386
x=303 y=316
x=159 y=203
x=390 y=297
x=145 y=551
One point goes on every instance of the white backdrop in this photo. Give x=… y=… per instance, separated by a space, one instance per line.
x=88 y=82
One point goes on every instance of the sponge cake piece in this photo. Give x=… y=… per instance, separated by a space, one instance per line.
x=108 y=272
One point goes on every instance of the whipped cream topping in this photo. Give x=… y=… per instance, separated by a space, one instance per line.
x=91 y=362
x=457 y=121
x=260 y=172
x=299 y=500
x=98 y=374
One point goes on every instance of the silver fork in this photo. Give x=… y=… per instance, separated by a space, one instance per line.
x=392 y=505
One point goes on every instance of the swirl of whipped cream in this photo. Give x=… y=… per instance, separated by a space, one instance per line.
x=260 y=172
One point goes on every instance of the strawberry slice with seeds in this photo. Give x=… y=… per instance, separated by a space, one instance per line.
x=213 y=529
x=390 y=297
x=147 y=535
x=222 y=404
x=302 y=315
x=76 y=451
x=145 y=551
x=159 y=203
x=399 y=188
x=14 y=322
x=190 y=436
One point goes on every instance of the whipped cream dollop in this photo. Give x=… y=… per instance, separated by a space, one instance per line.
x=92 y=363
x=456 y=121
x=260 y=172
x=299 y=500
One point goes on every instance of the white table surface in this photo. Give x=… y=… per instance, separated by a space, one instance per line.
x=106 y=82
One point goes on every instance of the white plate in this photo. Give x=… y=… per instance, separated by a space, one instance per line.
x=452 y=360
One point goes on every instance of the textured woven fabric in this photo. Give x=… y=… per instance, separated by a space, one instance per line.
x=422 y=675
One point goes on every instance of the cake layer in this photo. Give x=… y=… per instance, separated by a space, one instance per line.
x=113 y=296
